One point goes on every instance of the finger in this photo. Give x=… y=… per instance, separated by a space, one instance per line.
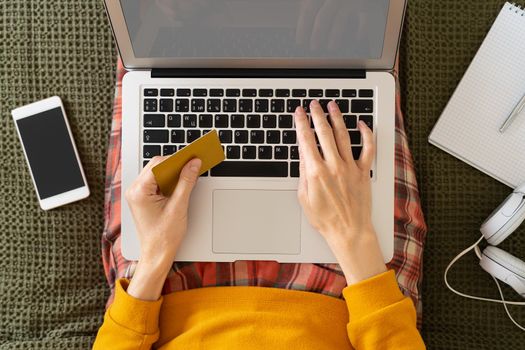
x=305 y=23
x=305 y=137
x=369 y=149
x=302 y=189
x=342 y=139
x=324 y=132
x=187 y=180
x=322 y=24
x=146 y=180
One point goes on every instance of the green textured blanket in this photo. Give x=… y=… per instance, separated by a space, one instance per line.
x=52 y=288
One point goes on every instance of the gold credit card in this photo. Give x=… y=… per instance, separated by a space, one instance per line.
x=207 y=148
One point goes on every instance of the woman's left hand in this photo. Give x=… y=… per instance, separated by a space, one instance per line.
x=161 y=223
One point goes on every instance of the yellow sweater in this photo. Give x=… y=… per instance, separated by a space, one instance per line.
x=375 y=316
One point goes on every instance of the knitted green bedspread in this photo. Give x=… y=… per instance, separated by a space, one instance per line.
x=52 y=287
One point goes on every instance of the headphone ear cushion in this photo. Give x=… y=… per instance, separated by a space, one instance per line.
x=505 y=267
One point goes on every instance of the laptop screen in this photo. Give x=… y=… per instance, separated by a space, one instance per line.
x=328 y=29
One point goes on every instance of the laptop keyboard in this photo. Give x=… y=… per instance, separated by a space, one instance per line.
x=255 y=126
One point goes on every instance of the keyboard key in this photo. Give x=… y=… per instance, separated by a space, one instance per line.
x=289 y=137
x=366 y=93
x=269 y=121
x=156 y=136
x=182 y=105
x=349 y=93
x=205 y=121
x=245 y=106
x=350 y=121
x=277 y=106
x=249 y=93
x=273 y=136
x=200 y=92
x=168 y=150
x=226 y=136
x=233 y=92
x=167 y=92
x=197 y=105
x=237 y=121
x=343 y=105
x=216 y=92
x=150 y=105
x=369 y=120
x=144 y=163
x=166 y=105
x=261 y=106
x=151 y=92
x=282 y=93
x=183 y=92
x=362 y=106
x=294 y=169
x=332 y=93
x=266 y=93
x=324 y=104
x=291 y=105
x=285 y=121
x=229 y=105
x=281 y=152
x=249 y=152
x=205 y=131
x=251 y=169
x=253 y=121
x=294 y=152
x=214 y=105
x=306 y=105
x=154 y=121
x=265 y=152
x=221 y=120
x=177 y=136
x=174 y=120
x=256 y=136
x=189 y=120
x=151 y=151
x=299 y=93
x=355 y=137
x=233 y=152
x=315 y=93
x=356 y=152
x=181 y=147
x=193 y=135
x=241 y=136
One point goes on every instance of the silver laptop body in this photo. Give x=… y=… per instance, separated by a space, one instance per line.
x=241 y=67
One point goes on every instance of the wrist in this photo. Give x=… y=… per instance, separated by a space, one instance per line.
x=148 y=279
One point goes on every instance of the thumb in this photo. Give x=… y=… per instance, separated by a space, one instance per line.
x=187 y=180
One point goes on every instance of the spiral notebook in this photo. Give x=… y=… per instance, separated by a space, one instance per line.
x=489 y=91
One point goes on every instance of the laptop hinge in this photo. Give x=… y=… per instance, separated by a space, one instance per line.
x=258 y=73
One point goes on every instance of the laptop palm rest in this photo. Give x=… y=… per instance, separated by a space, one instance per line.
x=256 y=222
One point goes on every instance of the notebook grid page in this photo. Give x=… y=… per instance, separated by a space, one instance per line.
x=485 y=97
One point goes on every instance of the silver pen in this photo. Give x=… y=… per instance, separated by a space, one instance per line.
x=515 y=112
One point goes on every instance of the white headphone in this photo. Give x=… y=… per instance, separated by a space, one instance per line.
x=498 y=263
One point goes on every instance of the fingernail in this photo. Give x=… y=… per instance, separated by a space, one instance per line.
x=332 y=106
x=299 y=109
x=314 y=103
x=196 y=165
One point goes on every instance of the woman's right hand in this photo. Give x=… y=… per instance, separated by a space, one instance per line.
x=335 y=190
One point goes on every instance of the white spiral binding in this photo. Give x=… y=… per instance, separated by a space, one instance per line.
x=517 y=8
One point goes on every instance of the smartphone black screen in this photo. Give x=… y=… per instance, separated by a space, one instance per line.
x=49 y=149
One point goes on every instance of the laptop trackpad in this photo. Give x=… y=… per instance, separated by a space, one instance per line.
x=256 y=222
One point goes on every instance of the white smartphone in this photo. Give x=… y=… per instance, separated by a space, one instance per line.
x=50 y=153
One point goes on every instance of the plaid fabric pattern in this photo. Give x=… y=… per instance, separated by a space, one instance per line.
x=410 y=232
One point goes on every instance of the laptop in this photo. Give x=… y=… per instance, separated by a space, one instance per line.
x=242 y=67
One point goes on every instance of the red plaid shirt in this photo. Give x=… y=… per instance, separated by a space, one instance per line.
x=410 y=232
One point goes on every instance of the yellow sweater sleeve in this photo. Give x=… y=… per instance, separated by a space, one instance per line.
x=380 y=316
x=129 y=323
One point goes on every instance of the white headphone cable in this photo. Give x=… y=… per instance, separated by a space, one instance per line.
x=502 y=301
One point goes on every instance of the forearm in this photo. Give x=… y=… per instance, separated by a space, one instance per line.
x=149 y=277
x=359 y=258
